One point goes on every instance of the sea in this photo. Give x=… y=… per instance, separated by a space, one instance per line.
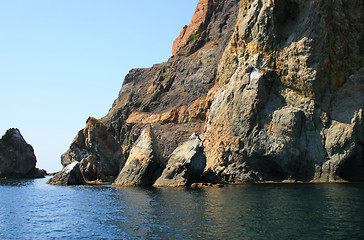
x=32 y=209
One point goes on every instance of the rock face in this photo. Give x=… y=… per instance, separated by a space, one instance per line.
x=274 y=89
x=70 y=175
x=144 y=164
x=185 y=166
x=17 y=159
x=290 y=93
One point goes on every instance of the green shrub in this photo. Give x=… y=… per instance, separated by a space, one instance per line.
x=193 y=37
x=158 y=95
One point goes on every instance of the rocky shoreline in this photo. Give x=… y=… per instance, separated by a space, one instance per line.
x=256 y=91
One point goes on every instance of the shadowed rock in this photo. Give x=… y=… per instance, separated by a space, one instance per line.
x=143 y=166
x=99 y=154
x=17 y=158
x=70 y=175
x=184 y=166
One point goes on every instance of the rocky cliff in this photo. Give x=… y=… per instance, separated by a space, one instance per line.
x=289 y=98
x=17 y=159
x=272 y=89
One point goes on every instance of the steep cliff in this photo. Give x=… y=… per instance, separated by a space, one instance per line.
x=172 y=95
x=17 y=159
x=274 y=89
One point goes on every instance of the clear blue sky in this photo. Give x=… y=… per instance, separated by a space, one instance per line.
x=62 y=61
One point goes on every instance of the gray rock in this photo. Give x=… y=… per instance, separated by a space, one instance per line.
x=70 y=175
x=301 y=121
x=17 y=158
x=144 y=163
x=185 y=165
x=344 y=136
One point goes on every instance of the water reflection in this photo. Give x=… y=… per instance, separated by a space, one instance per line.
x=16 y=182
x=151 y=212
x=267 y=211
x=244 y=212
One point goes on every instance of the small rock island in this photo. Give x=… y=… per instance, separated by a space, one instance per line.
x=17 y=158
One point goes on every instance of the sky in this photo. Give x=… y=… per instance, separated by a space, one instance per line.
x=62 y=61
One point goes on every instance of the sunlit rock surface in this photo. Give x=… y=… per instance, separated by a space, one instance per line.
x=144 y=164
x=185 y=165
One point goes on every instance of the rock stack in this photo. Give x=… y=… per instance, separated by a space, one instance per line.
x=17 y=158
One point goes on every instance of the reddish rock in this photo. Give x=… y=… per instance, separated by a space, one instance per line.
x=198 y=23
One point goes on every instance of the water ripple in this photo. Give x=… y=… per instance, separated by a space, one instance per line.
x=31 y=209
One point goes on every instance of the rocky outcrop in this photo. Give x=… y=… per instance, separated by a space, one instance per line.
x=144 y=164
x=99 y=154
x=185 y=166
x=17 y=158
x=274 y=89
x=70 y=175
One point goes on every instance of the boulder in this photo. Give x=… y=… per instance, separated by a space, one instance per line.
x=17 y=158
x=70 y=175
x=99 y=154
x=144 y=164
x=185 y=166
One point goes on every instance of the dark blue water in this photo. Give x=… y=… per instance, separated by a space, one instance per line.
x=31 y=209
